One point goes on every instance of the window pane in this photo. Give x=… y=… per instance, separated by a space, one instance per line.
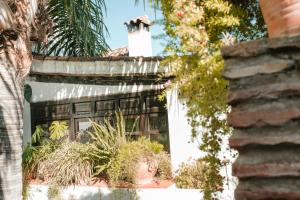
x=60 y=111
x=40 y=112
x=83 y=125
x=153 y=104
x=158 y=122
x=130 y=105
x=83 y=108
x=105 y=107
x=132 y=124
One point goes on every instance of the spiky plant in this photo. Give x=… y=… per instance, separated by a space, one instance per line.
x=106 y=139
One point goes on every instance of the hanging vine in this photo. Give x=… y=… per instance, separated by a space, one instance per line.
x=195 y=28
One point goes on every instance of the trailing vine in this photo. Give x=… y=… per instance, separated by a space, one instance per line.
x=197 y=30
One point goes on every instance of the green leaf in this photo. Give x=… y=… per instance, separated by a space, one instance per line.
x=58 y=130
x=78 y=29
x=37 y=135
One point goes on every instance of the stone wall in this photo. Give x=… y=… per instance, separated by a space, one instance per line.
x=264 y=93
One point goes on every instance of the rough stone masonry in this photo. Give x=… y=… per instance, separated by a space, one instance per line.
x=264 y=95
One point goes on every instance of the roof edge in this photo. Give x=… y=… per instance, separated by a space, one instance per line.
x=92 y=59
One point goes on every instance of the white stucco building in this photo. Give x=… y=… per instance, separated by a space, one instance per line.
x=77 y=89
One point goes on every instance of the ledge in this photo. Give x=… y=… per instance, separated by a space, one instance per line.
x=97 y=58
x=258 y=47
x=99 y=67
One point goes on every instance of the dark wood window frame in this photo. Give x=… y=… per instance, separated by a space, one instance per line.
x=142 y=104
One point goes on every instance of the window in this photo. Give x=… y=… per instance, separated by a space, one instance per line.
x=144 y=114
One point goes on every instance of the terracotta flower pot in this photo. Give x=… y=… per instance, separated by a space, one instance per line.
x=145 y=172
x=282 y=17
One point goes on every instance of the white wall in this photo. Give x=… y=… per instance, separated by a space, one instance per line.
x=39 y=192
x=103 y=68
x=181 y=147
x=183 y=150
x=139 y=43
x=59 y=91
x=26 y=124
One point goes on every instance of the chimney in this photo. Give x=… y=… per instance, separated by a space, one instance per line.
x=139 y=37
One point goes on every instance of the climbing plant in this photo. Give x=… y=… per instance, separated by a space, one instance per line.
x=196 y=30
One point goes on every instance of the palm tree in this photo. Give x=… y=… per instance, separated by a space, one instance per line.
x=75 y=27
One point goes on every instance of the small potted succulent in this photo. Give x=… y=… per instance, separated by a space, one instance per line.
x=282 y=17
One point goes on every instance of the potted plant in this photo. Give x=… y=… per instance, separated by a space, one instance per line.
x=282 y=17
x=145 y=170
x=138 y=162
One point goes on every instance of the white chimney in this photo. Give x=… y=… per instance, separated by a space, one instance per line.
x=139 y=37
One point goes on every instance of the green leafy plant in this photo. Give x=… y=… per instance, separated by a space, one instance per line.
x=37 y=135
x=109 y=151
x=123 y=166
x=42 y=147
x=197 y=30
x=29 y=161
x=31 y=158
x=58 y=130
x=77 y=29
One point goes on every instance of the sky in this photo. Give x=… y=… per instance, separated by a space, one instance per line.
x=119 y=11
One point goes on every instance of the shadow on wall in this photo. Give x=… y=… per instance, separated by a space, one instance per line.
x=40 y=192
x=116 y=194
x=124 y=68
x=61 y=91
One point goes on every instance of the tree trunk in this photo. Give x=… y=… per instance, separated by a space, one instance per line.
x=15 y=62
x=11 y=126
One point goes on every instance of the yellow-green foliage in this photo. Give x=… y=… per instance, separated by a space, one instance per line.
x=58 y=130
x=197 y=30
x=124 y=165
x=164 y=165
x=105 y=141
x=190 y=175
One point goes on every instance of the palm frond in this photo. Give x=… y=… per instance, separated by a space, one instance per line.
x=78 y=28
x=155 y=4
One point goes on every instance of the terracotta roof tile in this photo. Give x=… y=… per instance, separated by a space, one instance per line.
x=122 y=51
x=141 y=19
